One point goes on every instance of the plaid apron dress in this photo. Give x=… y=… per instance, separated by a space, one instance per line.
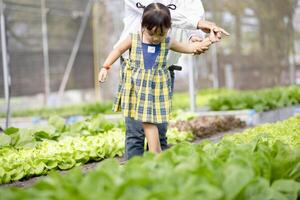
x=145 y=94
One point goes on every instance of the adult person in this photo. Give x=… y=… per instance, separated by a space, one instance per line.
x=188 y=15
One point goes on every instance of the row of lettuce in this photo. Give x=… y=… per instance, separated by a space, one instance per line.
x=260 y=164
x=180 y=102
x=35 y=151
x=259 y=100
x=214 y=99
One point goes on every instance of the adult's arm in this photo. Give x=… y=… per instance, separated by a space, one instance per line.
x=187 y=14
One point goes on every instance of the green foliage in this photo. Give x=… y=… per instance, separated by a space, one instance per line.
x=97 y=108
x=11 y=131
x=80 y=109
x=238 y=167
x=174 y=136
x=65 y=153
x=262 y=100
x=223 y=171
x=287 y=131
x=181 y=99
x=36 y=151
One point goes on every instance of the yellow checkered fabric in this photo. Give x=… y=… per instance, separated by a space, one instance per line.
x=145 y=94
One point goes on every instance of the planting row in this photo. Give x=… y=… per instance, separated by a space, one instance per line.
x=216 y=99
x=256 y=165
x=180 y=101
x=260 y=100
x=30 y=152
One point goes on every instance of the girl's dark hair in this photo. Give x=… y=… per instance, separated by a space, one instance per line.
x=156 y=15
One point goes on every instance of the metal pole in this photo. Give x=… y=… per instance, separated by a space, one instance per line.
x=215 y=66
x=292 y=52
x=191 y=83
x=6 y=76
x=75 y=49
x=229 y=76
x=96 y=15
x=292 y=68
x=45 y=51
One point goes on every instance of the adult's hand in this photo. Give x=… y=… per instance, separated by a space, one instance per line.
x=208 y=26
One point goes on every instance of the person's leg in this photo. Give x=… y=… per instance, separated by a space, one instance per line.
x=135 y=138
x=162 y=129
x=163 y=139
x=152 y=136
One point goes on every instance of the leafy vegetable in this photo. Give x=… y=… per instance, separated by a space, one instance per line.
x=261 y=100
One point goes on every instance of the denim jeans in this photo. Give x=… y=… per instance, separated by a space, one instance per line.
x=135 y=136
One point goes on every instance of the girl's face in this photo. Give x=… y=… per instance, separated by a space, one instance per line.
x=155 y=35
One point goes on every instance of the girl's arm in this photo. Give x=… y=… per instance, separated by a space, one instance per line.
x=190 y=48
x=117 y=52
x=112 y=57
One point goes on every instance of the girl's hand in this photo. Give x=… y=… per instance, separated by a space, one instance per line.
x=201 y=47
x=198 y=39
x=102 y=75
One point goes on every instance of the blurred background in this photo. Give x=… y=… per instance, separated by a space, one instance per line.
x=55 y=47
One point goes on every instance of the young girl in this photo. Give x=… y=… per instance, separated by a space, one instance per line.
x=145 y=92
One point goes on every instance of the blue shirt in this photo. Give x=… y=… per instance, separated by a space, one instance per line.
x=150 y=53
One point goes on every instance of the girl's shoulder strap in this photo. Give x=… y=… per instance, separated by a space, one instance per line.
x=134 y=45
x=134 y=39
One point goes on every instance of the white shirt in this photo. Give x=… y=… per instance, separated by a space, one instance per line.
x=186 y=16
